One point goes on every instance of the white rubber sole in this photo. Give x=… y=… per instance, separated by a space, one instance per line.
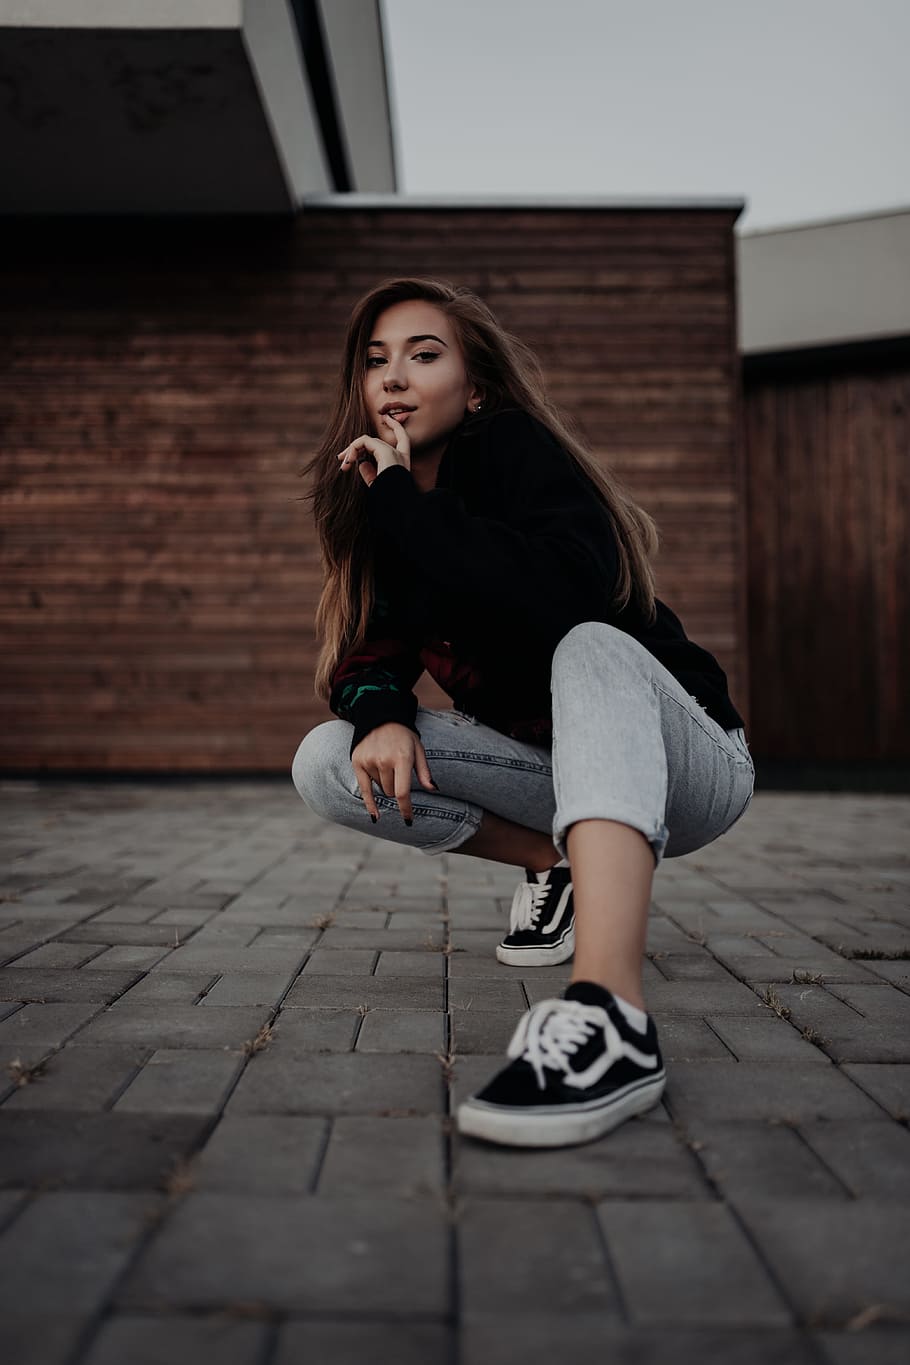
x=539 y=957
x=543 y=1127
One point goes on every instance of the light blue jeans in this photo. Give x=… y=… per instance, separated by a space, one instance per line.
x=629 y=744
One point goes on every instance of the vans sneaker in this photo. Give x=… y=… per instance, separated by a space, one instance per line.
x=579 y=1069
x=541 y=921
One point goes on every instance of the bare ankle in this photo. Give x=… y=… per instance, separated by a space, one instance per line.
x=549 y=858
x=503 y=841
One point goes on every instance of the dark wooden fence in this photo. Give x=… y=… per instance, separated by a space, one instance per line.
x=165 y=380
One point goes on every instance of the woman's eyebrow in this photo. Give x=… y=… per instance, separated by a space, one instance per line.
x=427 y=336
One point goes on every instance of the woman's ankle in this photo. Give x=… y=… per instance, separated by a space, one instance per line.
x=624 y=987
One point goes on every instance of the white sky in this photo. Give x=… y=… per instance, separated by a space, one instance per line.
x=800 y=107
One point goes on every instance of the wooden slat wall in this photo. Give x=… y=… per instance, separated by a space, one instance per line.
x=827 y=441
x=166 y=380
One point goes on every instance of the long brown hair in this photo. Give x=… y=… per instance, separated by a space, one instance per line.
x=508 y=373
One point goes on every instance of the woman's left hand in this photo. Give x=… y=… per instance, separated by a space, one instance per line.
x=371 y=456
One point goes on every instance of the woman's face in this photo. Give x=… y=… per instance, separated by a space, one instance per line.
x=414 y=358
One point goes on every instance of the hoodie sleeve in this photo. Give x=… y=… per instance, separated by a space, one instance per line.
x=548 y=564
x=373 y=684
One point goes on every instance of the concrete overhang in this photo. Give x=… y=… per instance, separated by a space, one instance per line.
x=190 y=106
x=824 y=284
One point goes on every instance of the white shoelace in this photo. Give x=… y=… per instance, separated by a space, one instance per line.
x=553 y=1030
x=527 y=903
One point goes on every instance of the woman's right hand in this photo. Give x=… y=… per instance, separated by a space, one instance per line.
x=388 y=755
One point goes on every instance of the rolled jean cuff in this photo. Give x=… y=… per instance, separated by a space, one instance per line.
x=656 y=835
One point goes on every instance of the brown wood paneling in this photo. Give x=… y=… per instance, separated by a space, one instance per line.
x=827 y=439
x=164 y=381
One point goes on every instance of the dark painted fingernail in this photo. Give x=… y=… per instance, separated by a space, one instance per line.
x=434 y=786
x=409 y=822
x=373 y=818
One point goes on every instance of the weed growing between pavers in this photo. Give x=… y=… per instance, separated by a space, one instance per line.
x=258 y=1044
x=20 y=1074
x=771 y=998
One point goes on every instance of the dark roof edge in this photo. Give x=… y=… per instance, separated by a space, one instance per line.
x=362 y=200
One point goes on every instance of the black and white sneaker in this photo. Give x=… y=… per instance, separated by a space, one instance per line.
x=580 y=1069
x=541 y=921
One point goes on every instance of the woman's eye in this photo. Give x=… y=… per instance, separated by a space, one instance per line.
x=420 y=354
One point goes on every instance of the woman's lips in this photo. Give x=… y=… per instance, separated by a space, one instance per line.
x=401 y=416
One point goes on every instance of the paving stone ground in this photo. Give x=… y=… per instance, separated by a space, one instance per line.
x=233 y=1036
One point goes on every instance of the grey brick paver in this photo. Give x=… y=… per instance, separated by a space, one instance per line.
x=872 y=1238
x=310 y=1029
x=66 y=986
x=755 y=1158
x=323 y=1254
x=160 y=988
x=484 y=993
x=366 y=1154
x=341 y=962
x=764 y=1090
x=262 y=1154
x=176 y=1025
x=700 y=966
x=141 y=935
x=97 y=1151
x=36 y=1025
x=240 y=988
x=764 y=1040
x=687 y=1039
x=73 y=1244
x=129 y=955
x=391 y=992
x=355 y=1343
x=31 y=1340
x=81 y=1078
x=888 y=1084
x=387 y=1031
x=878 y=1003
x=485 y=1031
x=389 y=940
x=228 y=958
x=149 y=1340
x=506 y=1263
x=313 y=1197
x=883 y=1344
x=701 y=998
x=56 y=955
x=426 y=963
x=848 y=1035
x=642 y=1159
x=536 y=1339
x=340 y=1083
x=689 y=1263
x=871 y=1159
x=191 y=1081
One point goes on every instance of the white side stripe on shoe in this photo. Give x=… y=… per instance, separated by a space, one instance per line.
x=567 y=891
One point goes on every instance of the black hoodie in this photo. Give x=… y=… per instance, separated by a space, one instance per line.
x=479 y=579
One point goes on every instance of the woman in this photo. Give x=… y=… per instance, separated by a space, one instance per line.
x=466 y=530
